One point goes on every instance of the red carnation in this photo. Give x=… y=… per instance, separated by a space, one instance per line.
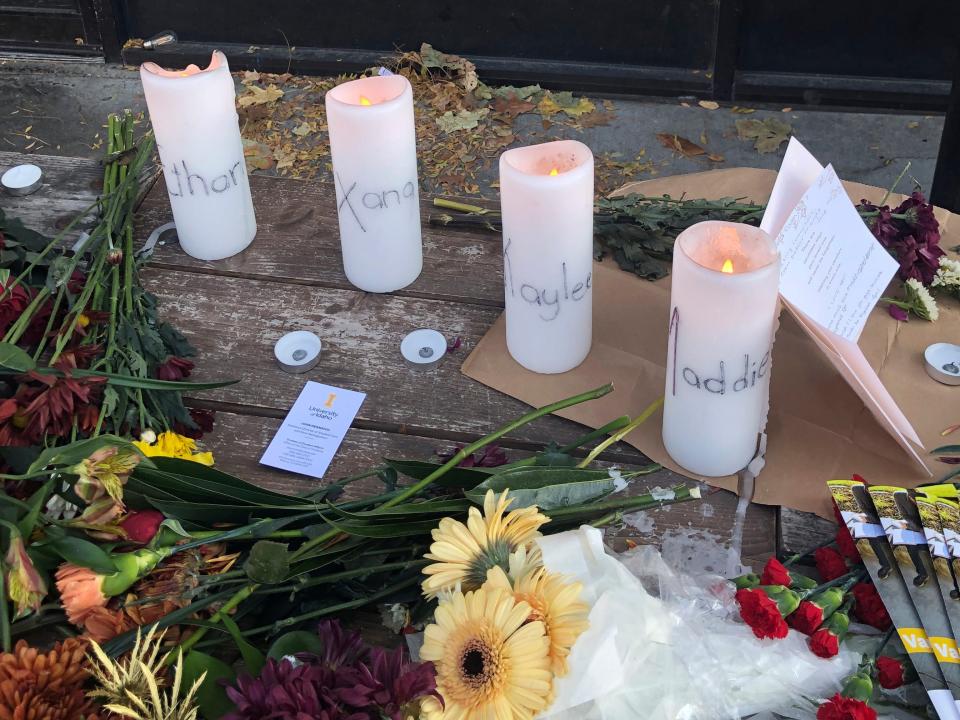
x=806 y=618
x=824 y=643
x=141 y=526
x=775 y=573
x=761 y=613
x=830 y=563
x=869 y=607
x=175 y=368
x=843 y=708
x=889 y=672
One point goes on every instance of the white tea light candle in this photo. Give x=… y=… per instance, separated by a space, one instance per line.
x=195 y=121
x=723 y=310
x=374 y=152
x=546 y=200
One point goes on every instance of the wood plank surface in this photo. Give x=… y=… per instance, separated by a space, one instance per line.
x=291 y=278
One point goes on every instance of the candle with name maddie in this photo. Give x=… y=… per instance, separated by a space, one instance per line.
x=724 y=290
x=374 y=152
x=194 y=118
x=546 y=199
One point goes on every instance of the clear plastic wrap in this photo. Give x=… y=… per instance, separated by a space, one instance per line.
x=663 y=645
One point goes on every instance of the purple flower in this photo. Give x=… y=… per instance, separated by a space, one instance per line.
x=913 y=238
x=284 y=691
x=898 y=313
x=389 y=683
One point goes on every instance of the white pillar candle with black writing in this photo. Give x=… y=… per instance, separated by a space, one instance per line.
x=546 y=200
x=722 y=318
x=194 y=118
x=373 y=145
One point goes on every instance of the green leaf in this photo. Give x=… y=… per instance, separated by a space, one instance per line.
x=219 y=481
x=546 y=487
x=253 y=659
x=13 y=358
x=946 y=450
x=390 y=530
x=455 y=477
x=144 y=383
x=203 y=513
x=294 y=642
x=36 y=502
x=83 y=553
x=75 y=452
x=415 y=509
x=212 y=696
x=269 y=562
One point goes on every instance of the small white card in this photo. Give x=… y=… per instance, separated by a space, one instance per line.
x=831 y=267
x=309 y=436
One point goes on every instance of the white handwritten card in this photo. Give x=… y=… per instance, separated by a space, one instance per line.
x=312 y=432
x=831 y=267
x=833 y=272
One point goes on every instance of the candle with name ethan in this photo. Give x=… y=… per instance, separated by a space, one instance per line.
x=373 y=145
x=194 y=119
x=724 y=293
x=546 y=199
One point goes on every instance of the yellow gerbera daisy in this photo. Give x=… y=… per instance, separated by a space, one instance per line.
x=553 y=601
x=491 y=663
x=464 y=553
x=170 y=444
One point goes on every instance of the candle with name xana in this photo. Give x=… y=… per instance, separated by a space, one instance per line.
x=374 y=152
x=194 y=119
x=724 y=290
x=546 y=199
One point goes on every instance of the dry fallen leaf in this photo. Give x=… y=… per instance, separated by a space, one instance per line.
x=913 y=124
x=786 y=109
x=463 y=120
x=553 y=103
x=512 y=105
x=257 y=155
x=708 y=104
x=768 y=135
x=742 y=110
x=257 y=95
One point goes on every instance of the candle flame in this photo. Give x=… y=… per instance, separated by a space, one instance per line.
x=365 y=100
x=727 y=266
x=555 y=171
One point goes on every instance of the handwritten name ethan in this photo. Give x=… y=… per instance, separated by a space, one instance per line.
x=715 y=381
x=195 y=184
x=549 y=297
x=381 y=199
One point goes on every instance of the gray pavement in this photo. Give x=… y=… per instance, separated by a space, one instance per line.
x=58 y=108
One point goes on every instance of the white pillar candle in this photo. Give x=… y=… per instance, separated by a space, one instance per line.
x=546 y=200
x=194 y=118
x=722 y=319
x=373 y=145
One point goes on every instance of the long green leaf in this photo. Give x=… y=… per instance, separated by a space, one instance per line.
x=293 y=642
x=142 y=382
x=392 y=530
x=253 y=659
x=14 y=358
x=946 y=450
x=455 y=477
x=65 y=455
x=546 y=487
x=36 y=503
x=398 y=512
x=83 y=553
x=212 y=696
x=207 y=474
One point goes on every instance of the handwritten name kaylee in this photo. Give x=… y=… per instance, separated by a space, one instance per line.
x=548 y=296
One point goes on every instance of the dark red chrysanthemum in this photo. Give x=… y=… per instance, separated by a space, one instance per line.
x=174 y=368
x=490 y=456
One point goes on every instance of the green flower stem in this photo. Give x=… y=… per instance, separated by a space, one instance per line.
x=622 y=432
x=350 y=605
x=5 y=642
x=225 y=609
x=645 y=501
x=895 y=183
x=448 y=204
x=344 y=575
x=847 y=581
x=412 y=490
x=23 y=322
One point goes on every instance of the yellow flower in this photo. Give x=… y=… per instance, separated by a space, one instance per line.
x=170 y=444
x=490 y=662
x=25 y=588
x=464 y=553
x=553 y=601
x=104 y=473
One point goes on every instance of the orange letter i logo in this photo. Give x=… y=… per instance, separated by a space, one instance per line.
x=330 y=398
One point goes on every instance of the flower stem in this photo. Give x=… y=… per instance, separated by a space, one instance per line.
x=622 y=432
x=462 y=207
x=645 y=501
x=5 y=643
x=895 y=183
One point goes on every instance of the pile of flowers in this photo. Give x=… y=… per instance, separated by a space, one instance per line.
x=780 y=600
x=504 y=625
x=911 y=233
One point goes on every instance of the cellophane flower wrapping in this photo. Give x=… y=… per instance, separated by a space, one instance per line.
x=664 y=645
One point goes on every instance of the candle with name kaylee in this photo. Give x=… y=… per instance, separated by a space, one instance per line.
x=724 y=290
x=546 y=199
x=194 y=118
x=374 y=152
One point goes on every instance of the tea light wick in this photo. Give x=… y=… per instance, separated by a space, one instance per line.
x=727 y=266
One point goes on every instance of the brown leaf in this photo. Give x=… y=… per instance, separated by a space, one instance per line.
x=511 y=106
x=596 y=119
x=708 y=104
x=681 y=145
x=768 y=135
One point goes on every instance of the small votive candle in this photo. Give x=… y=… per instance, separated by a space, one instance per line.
x=194 y=118
x=546 y=200
x=373 y=145
x=723 y=311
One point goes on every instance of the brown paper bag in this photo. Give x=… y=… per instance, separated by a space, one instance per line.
x=818 y=427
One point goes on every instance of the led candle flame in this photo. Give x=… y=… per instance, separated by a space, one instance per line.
x=554 y=172
x=365 y=100
x=719 y=344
